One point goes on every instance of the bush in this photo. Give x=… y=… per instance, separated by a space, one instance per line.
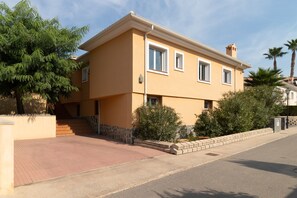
x=234 y=113
x=156 y=123
x=241 y=111
x=206 y=125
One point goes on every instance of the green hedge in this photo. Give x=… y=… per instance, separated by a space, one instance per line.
x=241 y=111
x=289 y=110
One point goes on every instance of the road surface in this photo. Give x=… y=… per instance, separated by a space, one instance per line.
x=267 y=171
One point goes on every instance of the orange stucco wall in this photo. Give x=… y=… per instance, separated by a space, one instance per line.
x=178 y=83
x=187 y=108
x=87 y=108
x=111 y=67
x=116 y=110
x=76 y=81
x=115 y=68
x=77 y=95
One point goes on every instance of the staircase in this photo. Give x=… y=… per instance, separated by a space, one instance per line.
x=68 y=127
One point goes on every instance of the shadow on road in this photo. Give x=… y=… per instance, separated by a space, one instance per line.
x=284 y=169
x=188 y=193
x=293 y=194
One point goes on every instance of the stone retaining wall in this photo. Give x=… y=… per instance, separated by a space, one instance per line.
x=93 y=122
x=118 y=133
x=188 y=147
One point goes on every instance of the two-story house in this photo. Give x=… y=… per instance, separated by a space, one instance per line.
x=135 y=61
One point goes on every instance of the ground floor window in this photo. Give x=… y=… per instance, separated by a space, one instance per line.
x=207 y=104
x=154 y=100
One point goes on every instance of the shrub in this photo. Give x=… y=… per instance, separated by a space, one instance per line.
x=241 y=111
x=234 y=113
x=269 y=103
x=156 y=123
x=206 y=125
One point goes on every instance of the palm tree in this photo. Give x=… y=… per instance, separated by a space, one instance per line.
x=264 y=77
x=292 y=45
x=273 y=53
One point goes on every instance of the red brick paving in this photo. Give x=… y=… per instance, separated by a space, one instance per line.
x=43 y=159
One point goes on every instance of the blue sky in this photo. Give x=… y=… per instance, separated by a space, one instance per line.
x=253 y=25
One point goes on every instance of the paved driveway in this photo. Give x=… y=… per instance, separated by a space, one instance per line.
x=43 y=159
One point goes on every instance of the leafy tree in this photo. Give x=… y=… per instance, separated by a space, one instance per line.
x=264 y=77
x=292 y=45
x=35 y=54
x=156 y=123
x=269 y=103
x=273 y=53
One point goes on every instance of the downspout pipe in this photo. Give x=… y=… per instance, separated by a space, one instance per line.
x=146 y=63
x=235 y=76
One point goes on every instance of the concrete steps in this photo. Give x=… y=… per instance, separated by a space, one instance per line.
x=67 y=127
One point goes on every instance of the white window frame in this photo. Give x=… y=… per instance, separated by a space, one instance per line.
x=165 y=57
x=180 y=54
x=223 y=75
x=85 y=74
x=207 y=62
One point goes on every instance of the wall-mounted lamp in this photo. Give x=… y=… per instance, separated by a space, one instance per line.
x=140 y=79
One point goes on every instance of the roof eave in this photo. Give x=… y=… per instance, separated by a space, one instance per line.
x=131 y=21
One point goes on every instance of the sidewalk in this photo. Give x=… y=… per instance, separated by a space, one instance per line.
x=108 y=180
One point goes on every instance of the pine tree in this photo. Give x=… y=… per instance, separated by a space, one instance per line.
x=35 y=54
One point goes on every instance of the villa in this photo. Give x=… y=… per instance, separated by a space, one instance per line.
x=134 y=61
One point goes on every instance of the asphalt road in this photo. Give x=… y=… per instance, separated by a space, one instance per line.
x=268 y=171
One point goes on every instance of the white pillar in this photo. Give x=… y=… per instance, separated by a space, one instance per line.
x=6 y=158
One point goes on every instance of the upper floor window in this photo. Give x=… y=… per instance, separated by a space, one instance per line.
x=85 y=74
x=179 y=61
x=204 y=68
x=158 y=58
x=227 y=76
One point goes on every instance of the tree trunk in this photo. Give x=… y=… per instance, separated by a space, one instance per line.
x=274 y=63
x=292 y=66
x=19 y=102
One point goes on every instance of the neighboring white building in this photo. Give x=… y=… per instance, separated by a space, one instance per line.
x=292 y=94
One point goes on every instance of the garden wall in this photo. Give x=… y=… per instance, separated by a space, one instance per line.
x=32 y=126
x=188 y=147
x=6 y=158
x=292 y=120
